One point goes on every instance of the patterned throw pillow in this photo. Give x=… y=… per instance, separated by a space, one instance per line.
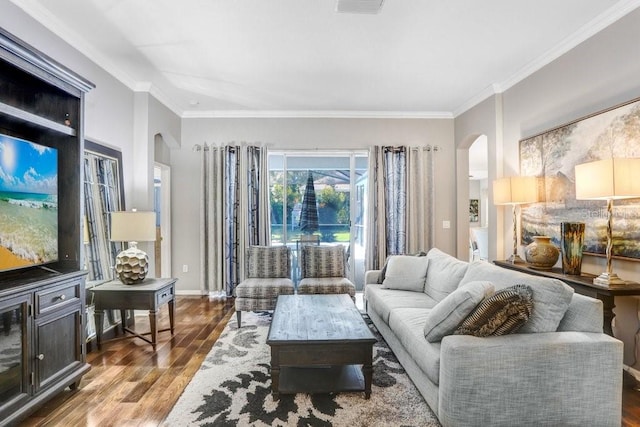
x=444 y=318
x=323 y=261
x=269 y=261
x=502 y=313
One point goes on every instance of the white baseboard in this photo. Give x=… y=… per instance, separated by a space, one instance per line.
x=191 y=292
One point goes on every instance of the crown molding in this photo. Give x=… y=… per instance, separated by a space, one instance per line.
x=53 y=24
x=49 y=21
x=587 y=31
x=315 y=114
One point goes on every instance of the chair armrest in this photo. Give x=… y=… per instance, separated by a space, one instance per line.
x=555 y=378
x=372 y=276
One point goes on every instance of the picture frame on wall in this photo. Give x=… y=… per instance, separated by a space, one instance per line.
x=474 y=210
x=552 y=156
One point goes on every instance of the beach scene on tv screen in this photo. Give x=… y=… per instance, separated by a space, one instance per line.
x=28 y=203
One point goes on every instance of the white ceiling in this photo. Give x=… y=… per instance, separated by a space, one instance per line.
x=300 y=58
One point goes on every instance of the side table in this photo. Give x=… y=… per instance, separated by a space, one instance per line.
x=583 y=285
x=151 y=294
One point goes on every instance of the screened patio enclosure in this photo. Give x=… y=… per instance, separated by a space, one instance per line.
x=339 y=181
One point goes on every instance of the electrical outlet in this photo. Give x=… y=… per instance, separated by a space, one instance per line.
x=446 y=224
x=185 y=268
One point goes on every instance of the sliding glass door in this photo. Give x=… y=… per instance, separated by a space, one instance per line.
x=319 y=198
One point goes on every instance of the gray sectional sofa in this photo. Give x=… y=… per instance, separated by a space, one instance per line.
x=558 y=369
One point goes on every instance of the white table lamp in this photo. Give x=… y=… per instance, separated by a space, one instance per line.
x=132 y=264
x=515 y=190
x=608 y=179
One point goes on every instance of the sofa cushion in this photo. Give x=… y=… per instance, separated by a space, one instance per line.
x=268 y=261
x=382 y=301
x=406 y=324
x=443 y=275
x=584 y=314
x=405 y=272
x=326 y=285
x=445 y=317
x=551 y=297
x=503 y=313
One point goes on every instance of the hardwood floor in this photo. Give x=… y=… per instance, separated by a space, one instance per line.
x=130 y=385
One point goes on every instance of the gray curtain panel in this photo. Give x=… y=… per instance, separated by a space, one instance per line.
x=400 y=203
x=234 y=212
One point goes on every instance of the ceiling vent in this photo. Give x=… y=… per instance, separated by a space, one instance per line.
x=370 y=7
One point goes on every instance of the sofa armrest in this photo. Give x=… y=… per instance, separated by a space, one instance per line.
x=372 y=276
x=555 y=378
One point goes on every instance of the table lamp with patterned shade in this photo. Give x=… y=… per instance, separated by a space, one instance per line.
x=132 y=264
x=608 y=179
x=515 y=190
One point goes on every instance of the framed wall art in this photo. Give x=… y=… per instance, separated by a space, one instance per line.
x=474 y=210
x=552 y=156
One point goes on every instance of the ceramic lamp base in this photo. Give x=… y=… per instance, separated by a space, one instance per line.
x=132 y=265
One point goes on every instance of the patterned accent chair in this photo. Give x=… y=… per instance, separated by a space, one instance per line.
x=323 y=270
x=269 y=269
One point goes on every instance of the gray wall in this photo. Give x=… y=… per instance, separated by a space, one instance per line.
x=108 y=107
x=599 y=73
x=114 y=115
x=299 y=134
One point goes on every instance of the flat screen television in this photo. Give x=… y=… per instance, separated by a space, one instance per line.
x=28 y=203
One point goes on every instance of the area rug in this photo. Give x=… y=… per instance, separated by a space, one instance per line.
x=233 y=388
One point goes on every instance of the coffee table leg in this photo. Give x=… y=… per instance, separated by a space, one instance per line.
x=275 y=372
x=367 y=372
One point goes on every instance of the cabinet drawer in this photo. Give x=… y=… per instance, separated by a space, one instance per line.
x=164 y=295
x=57 y=297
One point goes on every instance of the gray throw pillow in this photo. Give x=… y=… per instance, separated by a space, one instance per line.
x=406 y=273
x=383 y=272
x=444 y=318
x=444 y=275
x=503 y=313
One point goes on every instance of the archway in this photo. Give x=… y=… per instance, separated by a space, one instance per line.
x=472 y=180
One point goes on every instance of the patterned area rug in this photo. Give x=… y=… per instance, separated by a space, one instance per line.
x=233 y=388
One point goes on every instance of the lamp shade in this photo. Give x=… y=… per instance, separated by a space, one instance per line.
x=608 y=179
x=515 y=190
x=133 y=226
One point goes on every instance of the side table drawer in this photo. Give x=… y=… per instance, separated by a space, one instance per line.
x=164 y=295
x=51 y=299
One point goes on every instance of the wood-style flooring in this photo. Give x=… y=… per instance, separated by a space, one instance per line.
x=130 y=385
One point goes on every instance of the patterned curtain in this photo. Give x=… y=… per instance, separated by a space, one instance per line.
x=400 y=202
x=102 y=195
x=234 y=213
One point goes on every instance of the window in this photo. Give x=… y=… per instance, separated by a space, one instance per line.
x=339 y=184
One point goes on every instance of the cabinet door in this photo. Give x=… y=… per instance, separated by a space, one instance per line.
x=14 y=348
x=58 y=346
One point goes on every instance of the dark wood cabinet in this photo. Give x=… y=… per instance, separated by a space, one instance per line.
x=42 y=337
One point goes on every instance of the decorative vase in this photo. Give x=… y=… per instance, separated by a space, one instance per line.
x=572 y=240
x=541 y=254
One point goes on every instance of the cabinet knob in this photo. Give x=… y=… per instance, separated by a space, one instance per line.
x=40 y=356
x=62 y=297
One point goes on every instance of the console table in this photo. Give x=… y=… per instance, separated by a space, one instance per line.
x=583 y=285
x=148 y=295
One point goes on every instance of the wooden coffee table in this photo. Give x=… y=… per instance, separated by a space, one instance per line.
x=319 y=344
